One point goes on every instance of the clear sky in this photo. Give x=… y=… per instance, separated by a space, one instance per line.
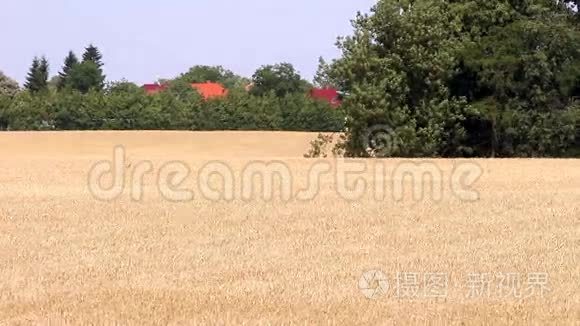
x=142 y=40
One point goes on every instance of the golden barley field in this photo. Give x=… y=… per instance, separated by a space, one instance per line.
x=510 y=255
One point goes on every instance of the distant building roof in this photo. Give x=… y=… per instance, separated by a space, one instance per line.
x=330 y=95
x=154 y=88
x=210 y=90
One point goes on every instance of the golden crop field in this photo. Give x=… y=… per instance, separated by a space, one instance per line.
x=502 y=248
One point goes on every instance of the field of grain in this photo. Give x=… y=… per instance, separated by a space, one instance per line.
x=512 y=256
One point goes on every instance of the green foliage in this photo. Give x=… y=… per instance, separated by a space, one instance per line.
x=85 y=76
x=281 y=79
x=522 y=66
x=5 y=102
x=217 y=74
x=461 y=78
x=125 y=106
x=122 y=87
x=8 y=86
x=69 y=63
x=182 y=89
x=37 y=78
x=319 y=146
x=93 y=54
x=300 y=112
x=53 y=83
x=323 y=77
x=29 y=111
x=395 y=68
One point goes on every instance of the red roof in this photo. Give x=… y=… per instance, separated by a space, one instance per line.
x=210 y=90
x=154 y=88
x=329 y=95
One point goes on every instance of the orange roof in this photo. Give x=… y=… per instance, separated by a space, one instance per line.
x=210 y=90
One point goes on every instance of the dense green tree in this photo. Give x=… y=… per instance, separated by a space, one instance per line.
x=30 y=111
x=395 y=68
x=93 y=54
x=37 y=78
x=323 y=77
x=519 y=66
x=74 y=111
x=32 y=82
x=281 y=79
x=462 y=77
x=89 y=73
x=8 y=89
x=5 y=103
x=86 y=76
x=123 y=87
x=70 y=62
x=53 y=83
x=216 y=74
x=181 y=89
x=300 y=112
x=8 y=86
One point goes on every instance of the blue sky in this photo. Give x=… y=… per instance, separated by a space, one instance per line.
x=145 y=40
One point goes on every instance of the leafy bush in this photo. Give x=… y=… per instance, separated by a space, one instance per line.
x=124 y=106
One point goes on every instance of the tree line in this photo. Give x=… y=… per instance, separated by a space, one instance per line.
x=79 y=99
